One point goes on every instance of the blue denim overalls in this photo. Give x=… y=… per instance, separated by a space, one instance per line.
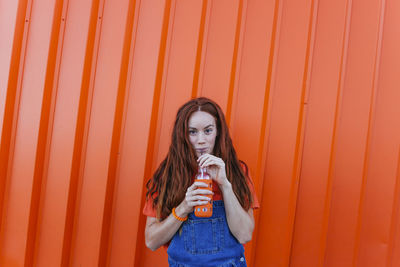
x=206 y=242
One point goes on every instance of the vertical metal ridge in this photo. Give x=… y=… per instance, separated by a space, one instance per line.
x=302 y=121
x=120 y=111
x=45 y=128
x=266 y=109
x=130 y=61
x=131 y=47
x=265 y=121
x=202 y=56
x=153 y=123
x=15 y=86
x=339 y=100
x=236 y=60
x=394 y=225
x=371 y=116
x=82 y=125
x=163 y=74
x=199 y=49
x=11 y=110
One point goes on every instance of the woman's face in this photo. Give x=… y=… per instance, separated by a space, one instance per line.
x=202 y=132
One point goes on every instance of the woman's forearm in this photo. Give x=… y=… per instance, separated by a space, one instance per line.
x=159 y=233
x=241 y=222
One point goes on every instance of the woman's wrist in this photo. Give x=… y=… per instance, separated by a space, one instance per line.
x=179 y=218
x=225 y=186
x=180 y=212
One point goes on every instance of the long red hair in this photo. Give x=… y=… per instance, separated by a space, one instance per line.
x=170 y=181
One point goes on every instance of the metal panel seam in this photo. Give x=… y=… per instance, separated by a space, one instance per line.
x=46 y=127
x=266 y=116
x=82 y=126
x=153 y=123
x=371 y=117
x=120 y=111
x=236 y=61
x=302 y=121
x=339 y=100
x=394 y=228
x=205 y=35
x=13 y=101
x=200 y=49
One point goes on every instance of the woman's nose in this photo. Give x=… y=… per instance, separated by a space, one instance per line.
x=201 y=138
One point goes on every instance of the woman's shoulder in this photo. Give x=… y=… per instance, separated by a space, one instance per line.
x=244 y=167
x=148 y=208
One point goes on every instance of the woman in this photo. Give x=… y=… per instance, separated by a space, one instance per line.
x=200 y=138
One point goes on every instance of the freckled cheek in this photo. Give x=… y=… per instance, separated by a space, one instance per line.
x=192 y=141
x=211 y=140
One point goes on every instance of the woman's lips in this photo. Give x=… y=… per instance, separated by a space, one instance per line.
x=201 y=151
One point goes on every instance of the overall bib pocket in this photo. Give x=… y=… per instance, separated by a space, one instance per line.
x=204 y=236
x=173 y=263
x=241 y=262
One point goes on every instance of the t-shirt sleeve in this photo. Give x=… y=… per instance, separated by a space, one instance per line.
x=148 y=209
x=255 y=204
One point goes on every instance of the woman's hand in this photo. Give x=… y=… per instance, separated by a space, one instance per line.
x=215 y=167
x=193 y=198
x=158 y=232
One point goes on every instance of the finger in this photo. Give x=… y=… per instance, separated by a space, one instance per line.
x=197 y=202
x=199 y=184
x=216 y=162
x=201 y=203
x=210 y=158
x=202 y=192
x=198 y=198
x=208 y=162
x=204 y=198
x=203 y=158
x=188 y=192
x=191 y=201
x=192 y=187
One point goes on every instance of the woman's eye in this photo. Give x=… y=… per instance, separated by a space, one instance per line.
x=192 y=132
x=208 y=131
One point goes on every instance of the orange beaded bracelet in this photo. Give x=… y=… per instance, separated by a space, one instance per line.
x=177 y=217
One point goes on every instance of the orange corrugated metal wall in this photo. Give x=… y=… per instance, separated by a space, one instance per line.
x=90 y=89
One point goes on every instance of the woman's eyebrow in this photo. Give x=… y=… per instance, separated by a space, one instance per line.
x=210 y=125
